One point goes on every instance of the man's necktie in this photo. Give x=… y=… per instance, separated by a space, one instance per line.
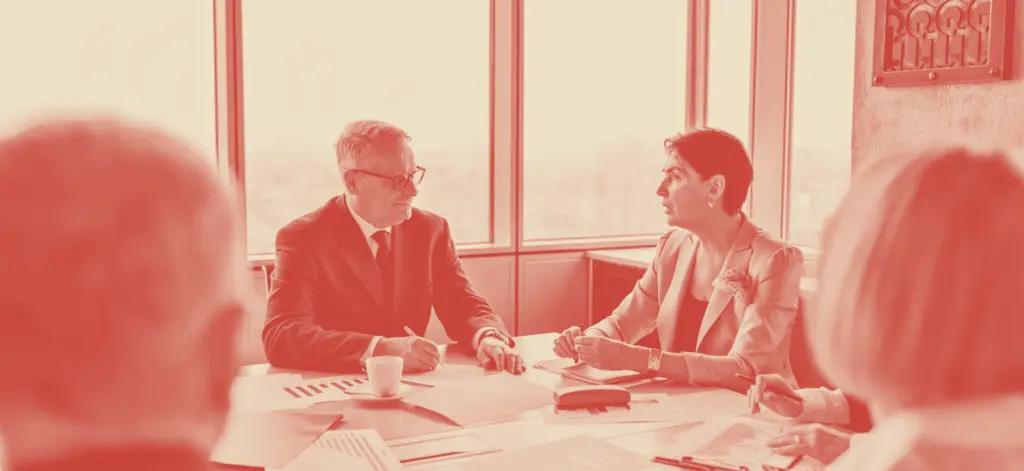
x=384 y=264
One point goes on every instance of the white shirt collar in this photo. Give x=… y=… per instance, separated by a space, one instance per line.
x=367 y=228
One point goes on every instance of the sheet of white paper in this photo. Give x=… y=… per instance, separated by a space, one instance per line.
x=493 y=397
x=364 y=449
x=641 y=408
x=579 y=453
x=733 y=440
x=703 y=404
x=262 y=392
x=448 y=374
x=323 y=459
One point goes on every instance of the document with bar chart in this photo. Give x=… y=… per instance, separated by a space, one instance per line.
x=356 y=449
x=289 y=391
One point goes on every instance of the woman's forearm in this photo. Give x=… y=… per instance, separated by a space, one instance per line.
x=699 y=369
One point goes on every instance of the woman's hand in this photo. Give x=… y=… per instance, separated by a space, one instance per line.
x=820 y=442
x=608 y=354
x=767 y=390
x=565 y=343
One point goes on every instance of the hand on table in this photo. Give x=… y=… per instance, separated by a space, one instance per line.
x=766 y=391
x=820 y=442
x=494 y=352
x=418 y=353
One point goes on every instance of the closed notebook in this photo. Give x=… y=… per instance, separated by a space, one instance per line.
x=589 y=374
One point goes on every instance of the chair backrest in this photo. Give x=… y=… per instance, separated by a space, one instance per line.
x=804 y=369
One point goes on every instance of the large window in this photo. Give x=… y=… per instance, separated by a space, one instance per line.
x=311 y=66
x=604 y=85
x=730 y=27
x=151 y=62
x=822 y=123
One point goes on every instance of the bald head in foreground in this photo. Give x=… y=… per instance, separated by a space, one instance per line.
x=123 y=286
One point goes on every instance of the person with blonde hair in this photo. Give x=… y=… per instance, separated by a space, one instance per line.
x=123 y=284
x=917 y=311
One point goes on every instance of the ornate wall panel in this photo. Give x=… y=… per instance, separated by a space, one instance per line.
x=924 y=42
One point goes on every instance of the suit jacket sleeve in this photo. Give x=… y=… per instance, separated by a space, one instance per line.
x=637 y=314
x=291 y=337
x=461 y=311
x=767 y=323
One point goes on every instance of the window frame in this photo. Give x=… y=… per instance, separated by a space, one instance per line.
x=771 y=103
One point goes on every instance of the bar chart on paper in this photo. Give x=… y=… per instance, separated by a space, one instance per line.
x=289 y=391
x=322 y=387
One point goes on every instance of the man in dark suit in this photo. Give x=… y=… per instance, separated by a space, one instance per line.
x=124 y=282
x=353 y=277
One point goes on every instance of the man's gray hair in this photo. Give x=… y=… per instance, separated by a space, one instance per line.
x=360 y=138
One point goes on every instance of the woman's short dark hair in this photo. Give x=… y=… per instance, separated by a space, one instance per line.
x=715 y=152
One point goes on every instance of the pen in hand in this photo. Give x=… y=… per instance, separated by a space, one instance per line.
x=409 y=331
x=786 y=394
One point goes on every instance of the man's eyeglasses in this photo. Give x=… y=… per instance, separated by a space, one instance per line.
x=399 y=182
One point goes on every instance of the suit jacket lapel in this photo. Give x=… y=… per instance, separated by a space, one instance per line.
x=674 y=295
x=356 y=252
x=738 y=258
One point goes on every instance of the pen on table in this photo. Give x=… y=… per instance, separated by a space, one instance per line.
x=410 y=332
x=785 y=394
x=680 y=464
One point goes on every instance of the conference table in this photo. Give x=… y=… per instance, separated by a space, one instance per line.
x=404 y=425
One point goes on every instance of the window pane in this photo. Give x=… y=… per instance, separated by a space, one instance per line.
x=822 y=114
x=729 y=58
x=311 y=66
x=604 y=85
x=141 y=60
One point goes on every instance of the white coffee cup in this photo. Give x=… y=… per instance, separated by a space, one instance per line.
x=385 y=374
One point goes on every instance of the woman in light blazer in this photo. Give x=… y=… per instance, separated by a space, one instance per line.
x=918 y=311
x=721 y=292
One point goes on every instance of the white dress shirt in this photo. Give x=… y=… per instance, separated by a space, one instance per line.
x=368 y=231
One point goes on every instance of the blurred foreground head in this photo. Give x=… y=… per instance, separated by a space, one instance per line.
x=922 y=270
x=121 y=291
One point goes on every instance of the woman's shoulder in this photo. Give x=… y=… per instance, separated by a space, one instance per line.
x=767 y=246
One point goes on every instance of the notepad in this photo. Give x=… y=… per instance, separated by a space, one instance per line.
x=591 y=375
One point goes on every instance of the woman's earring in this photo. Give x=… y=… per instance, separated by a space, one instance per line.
x=711 y=203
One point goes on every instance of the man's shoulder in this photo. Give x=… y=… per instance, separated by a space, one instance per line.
x=304 y=226
x=426 y=222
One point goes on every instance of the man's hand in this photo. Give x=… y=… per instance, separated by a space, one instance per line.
x=820 y=442
x=418 y=353
x=608 y=354
x=492 y=351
